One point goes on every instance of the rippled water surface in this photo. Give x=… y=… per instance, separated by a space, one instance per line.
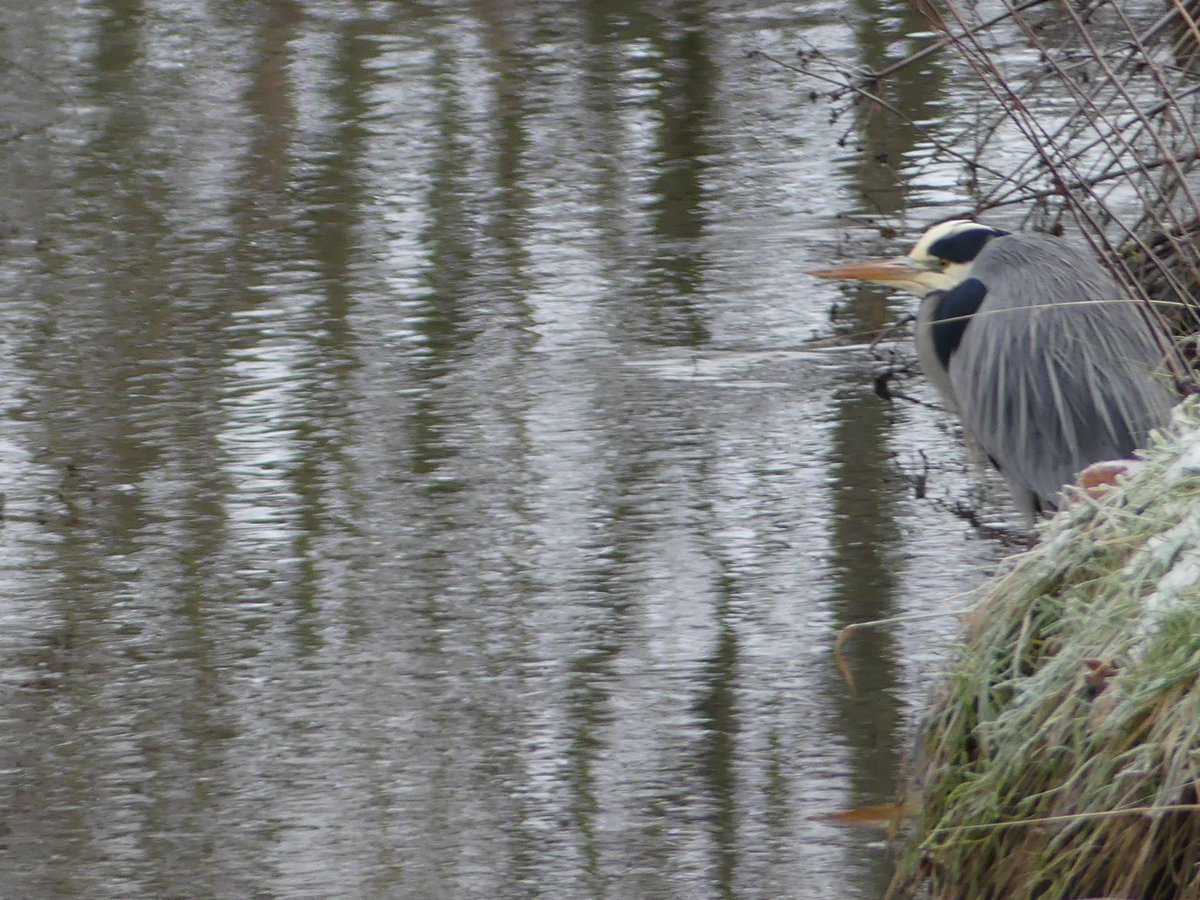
x=427 y=470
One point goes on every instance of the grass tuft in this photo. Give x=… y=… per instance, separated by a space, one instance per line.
x=1061 y=754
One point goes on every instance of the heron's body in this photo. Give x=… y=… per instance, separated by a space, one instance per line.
x=1049 y=363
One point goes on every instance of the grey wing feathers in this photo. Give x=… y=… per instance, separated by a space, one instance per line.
x=1049 y=376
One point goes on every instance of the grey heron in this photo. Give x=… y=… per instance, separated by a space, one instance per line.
x=1050 y=365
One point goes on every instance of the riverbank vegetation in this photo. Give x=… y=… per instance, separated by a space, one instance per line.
x=1061 y=755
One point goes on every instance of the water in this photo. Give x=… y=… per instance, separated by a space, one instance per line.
x=427 y=470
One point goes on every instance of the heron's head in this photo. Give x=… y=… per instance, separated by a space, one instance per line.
x=940 y=259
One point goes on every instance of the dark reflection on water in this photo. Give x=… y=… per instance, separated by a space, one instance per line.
x=868 y=537
x=419 y=478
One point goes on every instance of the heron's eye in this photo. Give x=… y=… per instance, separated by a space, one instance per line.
x=943 y=264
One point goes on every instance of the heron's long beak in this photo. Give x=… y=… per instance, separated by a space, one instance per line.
x=881 y=271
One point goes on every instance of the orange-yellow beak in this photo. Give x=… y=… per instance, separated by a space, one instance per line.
x=882 y=271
